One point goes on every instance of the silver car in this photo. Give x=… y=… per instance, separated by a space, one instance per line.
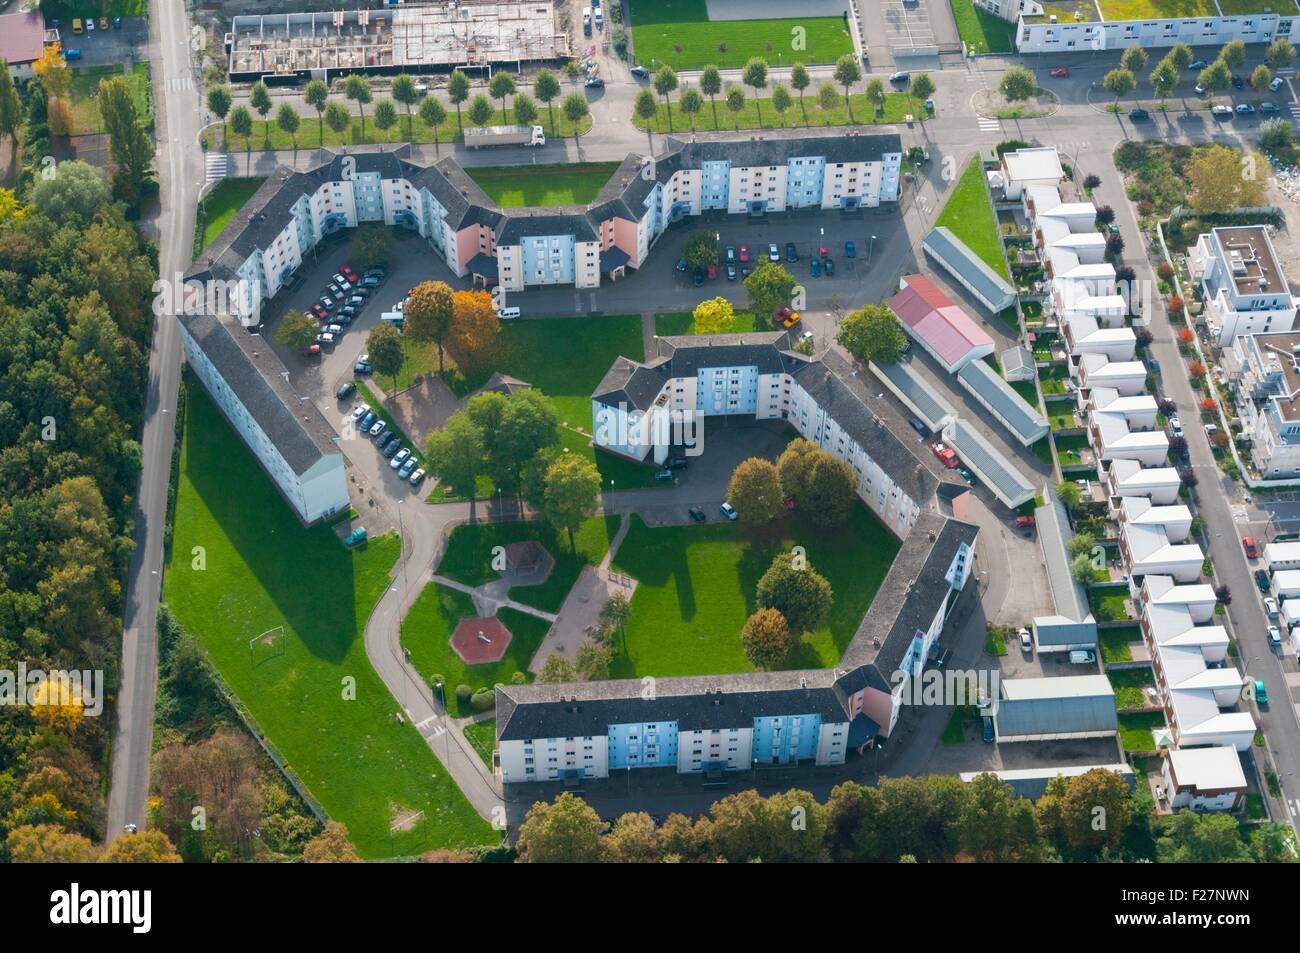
x=399 y=458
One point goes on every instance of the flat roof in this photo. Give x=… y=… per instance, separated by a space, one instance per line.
x=1064 y=686
x=1039 y=162
x=1277 y=356
x=1249 y=254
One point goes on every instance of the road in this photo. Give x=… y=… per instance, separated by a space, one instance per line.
x=180 y=168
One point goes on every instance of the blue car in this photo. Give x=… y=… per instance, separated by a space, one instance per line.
x=367 y=420
x=816 y=267
x=850 y=250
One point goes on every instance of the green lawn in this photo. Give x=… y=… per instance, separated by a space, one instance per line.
x=85 y=87
x=677 y=323
x=969 y=214
x=696 y=588
x=482 y=735
x=263 y=569
x=222 y=204
x=1115 y=643
x=531 y=186
x=982 y=31
x=1135 y=730
x=660 y=26
x=468 y=558
x=1129 y=685
x=1175 y=9
x=428 y=626
x=954 y=732
x=760 y=114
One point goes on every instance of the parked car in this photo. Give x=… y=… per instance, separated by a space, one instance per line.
x=593 y=82
x=728 y=511
x=325 y=339
x=1197 y=64
x=640 y=72
x=392 y=448
x=947 y=456
x=987 y=730
x=697 y=514
x=348 y=273
x=1138 y=114
x=676 y=463
x=698 y=278
x=681 y=264
x=1026 y=640
x=919 y=427
x=359 y=411
x=1221 y=111
x=1175 y=426
x=1277 y=84
x=731 y=253
x=1267 y=107
x=814 y=266
x=1270 y=607
x=664 y=476
x=417 y=477
x=1261 y=694
x=744 y=253
x=829 y=266
x=356 y=537
x=731 y=272
x=404 y=471
x=1024 y=521
x=806 y=336
x=340 y=279
x=311 y=350
x=377 y=427
x=1200 y=89
x=966 y=475
x=1262 y=580
x=362 y=366
x=1248 y=544
x=1238 y=82
x=900 y=79
x=791 y=253
x=320 y=312
x=850 y=250
x=346 y=390
x=1082 y=657
x=326 y=302
x=1059 y=71
x=1245 y=109
x=386 y=438
x=369 y=418
x=399 y=458
x=773 y=253
x=1274 y=636
x=786 y=317
x=370 y=281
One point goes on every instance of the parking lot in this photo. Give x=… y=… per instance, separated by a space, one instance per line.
x=105 y=47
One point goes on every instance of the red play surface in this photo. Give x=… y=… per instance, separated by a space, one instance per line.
x=480 y=640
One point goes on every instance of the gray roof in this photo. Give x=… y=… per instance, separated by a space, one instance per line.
x=1007 y=482
x=1026 y=423
x=1054 y=535
x=1017 y=358
x=248 y=365
x=916 y=392
x=1072 y=704
x=776 y=146
x=951 y=252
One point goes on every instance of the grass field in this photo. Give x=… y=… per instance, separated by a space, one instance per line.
x=1175 y=9
x=85 y=87
x=969 y=213
x=676 y=323
x=429 y=625
x=696 y=588
x=538 y=185
x=264 y=569
x=468 y=558
x=980 y=30
x=659 y=27
x=1129 y=685
x=1115 y=642
x=757 y=115
x=482 y=735
x=222 y=204
x=1135 y=730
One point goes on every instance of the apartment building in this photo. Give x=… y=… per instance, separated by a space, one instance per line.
x=1242 y=283
x=1267 y=383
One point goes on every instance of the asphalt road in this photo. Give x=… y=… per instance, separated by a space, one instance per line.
x=181 y=174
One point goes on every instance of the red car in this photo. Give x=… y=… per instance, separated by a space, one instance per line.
x=947 y=456
x=1024 y=521
x=312 y=350
x=1248 y=544
x=348 y=273
x=824 y=252
x=744 y=253
x=320 y=312
x=713 y=271
x=1061 y=71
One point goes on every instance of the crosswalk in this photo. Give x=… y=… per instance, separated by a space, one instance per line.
x=216 y=166
x=989 y=125
x=179 y=84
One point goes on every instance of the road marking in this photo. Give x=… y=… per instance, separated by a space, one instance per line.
x=989 y=125
x=178 y=84
x=216 y=166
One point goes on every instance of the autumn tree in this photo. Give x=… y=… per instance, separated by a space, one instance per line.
x=796 y=590
x=48 y=844
x=1068 y=812
x=331 y=846
x=769 y=287
x=594 y=662
x=714 y=316
x=564 y=831
x=11 y=106
x=1119 y=83
x=474 y=323
x=429 y=313
x=572 y=493
x=146 y=847
x=557 y=669
x=755 y=491
x=633 y=839
x=1222 y=179
x=767 y=639
x=296 y=331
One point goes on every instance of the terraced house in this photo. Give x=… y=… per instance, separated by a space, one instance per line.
x=532 y=247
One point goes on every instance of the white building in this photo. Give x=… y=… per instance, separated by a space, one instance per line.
x=1198 y=598
x=1148 y=549
x=1204 y=779
x=1268 y=399
x=1242 y=282
x=1282 y=556
x=1113 y=437
x=1126 y=378
x=1129 y=478
x=1174 y=519
x=1030 y=167
x=1085 y=335
x=286 y=433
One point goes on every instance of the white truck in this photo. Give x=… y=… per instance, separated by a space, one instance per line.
x=505 y=136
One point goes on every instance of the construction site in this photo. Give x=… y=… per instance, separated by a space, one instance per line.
x=403 y=39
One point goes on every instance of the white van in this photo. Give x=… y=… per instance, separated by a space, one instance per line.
x=1082 y=657
x=507 y=314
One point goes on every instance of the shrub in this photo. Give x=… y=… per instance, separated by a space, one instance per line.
x=1105 y=215
x=483 y=699
x=463 y=694
x=1165 y=271
x=1091 y=181
x=1185 y=335
x=1196 y=369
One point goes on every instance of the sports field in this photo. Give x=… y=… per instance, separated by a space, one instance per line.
x=679 y=33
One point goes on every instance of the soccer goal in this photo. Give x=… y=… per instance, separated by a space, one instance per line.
x=268 y=645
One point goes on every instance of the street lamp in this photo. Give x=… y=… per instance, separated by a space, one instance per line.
x=870 y=248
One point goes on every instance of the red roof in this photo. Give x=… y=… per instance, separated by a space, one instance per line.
x=22 y=37
x=933 y=317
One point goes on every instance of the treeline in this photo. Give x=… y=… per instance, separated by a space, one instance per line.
x=932 y=819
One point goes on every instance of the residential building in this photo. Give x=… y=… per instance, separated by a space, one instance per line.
x=1114 y=435
x=932 y=319
x=1054 y=709
x=1279 y=557
x=1084 y=335
x=985 y=284
x=1204 y=779
x=1129 y=478
x=1146 y=549
x=1267 y=383
x=23 y=37
x=1029 y=167
x=1242 y=283
x=1074 y=26
x=1127 y=378
x=1199 y=599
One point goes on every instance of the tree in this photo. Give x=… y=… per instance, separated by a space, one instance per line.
x=219 y=101
x=877 y=96
x=572 y=72
x=501 y=86
x=769 y=287
x=1105 y=215
x=1275 y=134
x=557 y=669
x=830 y=491
x=1119 y=82
x=1273 y=843
x=288 y=120
x=767 y=639
x=1190 y=838
x=714 y=316
x=1223 y=593
x=711 y=85
x=1216 y=77
x=872 y=333
x=1133 y=59
x=316 y=95
x=633 y=840
x=575 y=110
x=1068 y=493
x=572 y=493
x=1081 y=569
x=701 y=250
x=48 y=843
x=1180 y=55
x=847 y=72
x=755 y=77
x=799 y=82
x=828 y=100
x=1220 y=181
x=129 y=145
x=546 y=87
x=781 y=101
x=429 y=311
x=992 y=826
x=665 y=81
x=755 y=491
x=357 y=88
x=404 y=92
x=593 y=662
x=481 y=111
x=337 y=118
x=1017 y=84
x=922 y=88
x=1281 y=53
x=797 y=591
x=11 y=107
x=73 y=196
x=1261 y=77
x=259 y=97
x=1114 y=245
x=297 y=331
x=1082 y=543
x=736 y=104
x=433 y=114
x=690 y=102
x=566 y=831
x=331 y=846
x=146 y=847
x=457 y=93
x=457 y=455
x=528 y=424
x=646 y=109
x=474 y=323
x=525 y=109
x=1234 y=54
x=1164 y=78
x=385 y=346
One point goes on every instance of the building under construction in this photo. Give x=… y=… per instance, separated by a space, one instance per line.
x=401 y=39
